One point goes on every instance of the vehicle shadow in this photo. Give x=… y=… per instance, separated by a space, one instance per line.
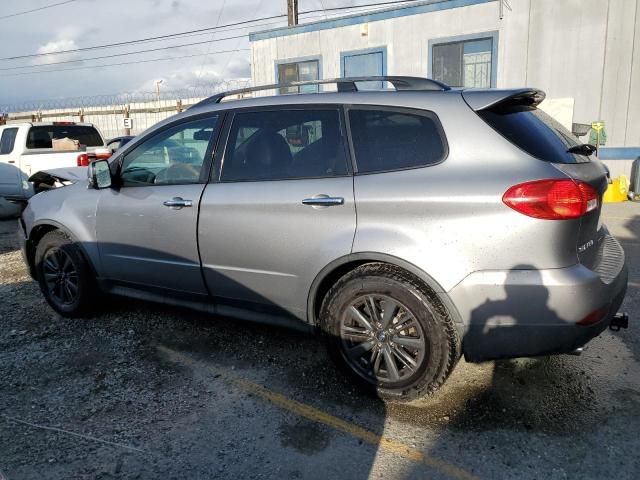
x=549 y=395
x=8 y=236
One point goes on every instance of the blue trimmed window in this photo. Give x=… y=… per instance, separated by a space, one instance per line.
x=300 y=71
x=465 y=63
x=364 y=63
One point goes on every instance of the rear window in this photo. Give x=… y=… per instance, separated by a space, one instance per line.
x=535 y=132
x=389 y=139
x=41 y=136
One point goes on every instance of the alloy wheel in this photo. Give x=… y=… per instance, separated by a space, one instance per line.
x=381 y=339
x=61 y=276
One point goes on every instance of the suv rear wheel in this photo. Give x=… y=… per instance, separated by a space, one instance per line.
x=64 y=275
x=389 y=332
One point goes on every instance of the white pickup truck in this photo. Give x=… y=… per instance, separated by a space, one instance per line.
x=26 y=148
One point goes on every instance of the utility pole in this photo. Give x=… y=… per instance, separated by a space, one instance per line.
x=292 y=12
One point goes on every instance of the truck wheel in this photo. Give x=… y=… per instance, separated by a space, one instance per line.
x=64 y=275
x=389 y=332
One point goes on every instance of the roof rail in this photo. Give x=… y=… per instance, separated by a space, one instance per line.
x=343 y=85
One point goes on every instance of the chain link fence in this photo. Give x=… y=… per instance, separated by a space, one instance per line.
x=107 y=112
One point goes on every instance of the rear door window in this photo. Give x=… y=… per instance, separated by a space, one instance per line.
x=42 y=136
x=389 y=139
x=535 y=132
x=284 y=145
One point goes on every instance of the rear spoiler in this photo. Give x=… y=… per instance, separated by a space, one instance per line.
x=484 y=99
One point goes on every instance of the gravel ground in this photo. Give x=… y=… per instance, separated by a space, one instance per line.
x=146 y=391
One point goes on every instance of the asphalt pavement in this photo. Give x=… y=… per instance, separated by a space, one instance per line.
x=146 y=391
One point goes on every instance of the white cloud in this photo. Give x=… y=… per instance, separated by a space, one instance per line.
x=56 y=46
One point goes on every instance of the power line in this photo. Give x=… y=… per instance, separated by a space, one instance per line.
x=200 y=30
x=124 y=54
x=44 y=7
x=129 y=42
x=224 y=2
x=125 y=63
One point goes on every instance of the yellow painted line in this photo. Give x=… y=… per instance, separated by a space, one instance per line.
x=629 y=219
x=319 y=416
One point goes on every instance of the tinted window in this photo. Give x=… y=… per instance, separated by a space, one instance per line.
x=392 y=140
x=284 y=144
x=8 y=140
x=41 y=136
x=174 y=156
x=535 y=132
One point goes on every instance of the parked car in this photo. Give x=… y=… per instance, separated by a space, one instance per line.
x=409 y=226
x=26 y=148
x=118 y=142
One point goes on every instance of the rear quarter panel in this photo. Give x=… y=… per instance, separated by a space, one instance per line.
x=449 y=219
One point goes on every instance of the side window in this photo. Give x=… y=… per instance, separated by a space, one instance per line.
x=284 y=144
x=386 y=139
x=8 y=140
x=173 y=156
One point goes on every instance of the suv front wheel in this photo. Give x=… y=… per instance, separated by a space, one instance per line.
x=390 y=332
x=65 y=278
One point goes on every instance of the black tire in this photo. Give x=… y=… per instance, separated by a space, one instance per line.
x=409 y=297
x=57 y=249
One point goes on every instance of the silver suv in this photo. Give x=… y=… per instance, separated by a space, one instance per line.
x=410 y=226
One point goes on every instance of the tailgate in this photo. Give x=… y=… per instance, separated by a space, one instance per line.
x=592 y=235
x=33 y=162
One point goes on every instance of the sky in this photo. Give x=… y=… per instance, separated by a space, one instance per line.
x=84 y=23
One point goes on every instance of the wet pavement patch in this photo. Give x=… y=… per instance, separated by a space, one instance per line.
x=305 y=436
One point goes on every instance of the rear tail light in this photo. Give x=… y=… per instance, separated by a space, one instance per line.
x=560 y=199
x=83 y=160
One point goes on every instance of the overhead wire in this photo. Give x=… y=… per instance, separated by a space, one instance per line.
x=201 y=30
x=33 y=10
x=123 y=63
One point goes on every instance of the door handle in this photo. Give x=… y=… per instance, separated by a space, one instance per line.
x=12 y=161
x=323 y=201
x=177 y=203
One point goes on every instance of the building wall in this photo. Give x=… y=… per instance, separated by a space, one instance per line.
x=585 y=50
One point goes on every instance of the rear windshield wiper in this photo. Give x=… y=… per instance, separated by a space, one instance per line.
x=583 y=149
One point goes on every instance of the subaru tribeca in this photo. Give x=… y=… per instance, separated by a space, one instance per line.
x=410 y=225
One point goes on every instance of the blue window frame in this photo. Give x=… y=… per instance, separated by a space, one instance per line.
x=365 y=63
x=298 y=70
x=468 y=61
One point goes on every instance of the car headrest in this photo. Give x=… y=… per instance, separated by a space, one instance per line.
x=269 y=154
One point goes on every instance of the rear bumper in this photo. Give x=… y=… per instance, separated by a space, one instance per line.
x=526 y=312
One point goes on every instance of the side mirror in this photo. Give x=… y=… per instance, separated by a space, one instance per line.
x=99 y=174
